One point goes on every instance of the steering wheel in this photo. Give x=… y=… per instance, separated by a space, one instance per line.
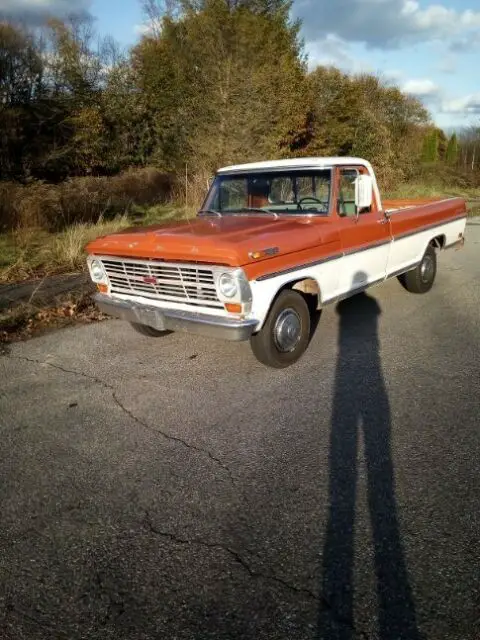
x=312 y=199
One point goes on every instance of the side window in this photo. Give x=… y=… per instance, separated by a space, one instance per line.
x=346 y=193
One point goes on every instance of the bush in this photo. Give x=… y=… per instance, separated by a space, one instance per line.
x=80 y=200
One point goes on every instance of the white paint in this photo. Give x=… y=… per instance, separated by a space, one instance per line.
x=409 y=250
x=362 y=268
x=341 y=277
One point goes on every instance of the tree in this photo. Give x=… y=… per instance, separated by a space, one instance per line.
x=21 y=67
x=222 y=83
x=451 y=155
x=430 y=146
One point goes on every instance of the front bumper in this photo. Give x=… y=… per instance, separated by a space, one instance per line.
x=232 y=329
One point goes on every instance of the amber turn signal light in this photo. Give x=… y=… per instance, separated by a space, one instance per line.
x=233 y=308
x=103 y=288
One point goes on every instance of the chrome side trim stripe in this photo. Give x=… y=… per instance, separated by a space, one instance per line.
x=350 y=252
x=299 y=267
x=428 y=228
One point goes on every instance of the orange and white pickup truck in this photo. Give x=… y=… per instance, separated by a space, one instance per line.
x=273 y=244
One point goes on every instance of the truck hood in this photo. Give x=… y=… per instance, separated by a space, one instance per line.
x=227 y=241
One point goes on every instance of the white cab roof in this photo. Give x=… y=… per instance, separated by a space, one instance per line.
x=298 y=163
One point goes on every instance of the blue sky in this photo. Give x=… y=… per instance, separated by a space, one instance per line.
x=430 y=48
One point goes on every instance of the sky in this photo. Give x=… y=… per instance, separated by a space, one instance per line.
x=429 y=48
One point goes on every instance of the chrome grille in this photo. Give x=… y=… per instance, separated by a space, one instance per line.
x=167 y=281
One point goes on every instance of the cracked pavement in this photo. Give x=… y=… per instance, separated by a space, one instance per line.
x=175 y=488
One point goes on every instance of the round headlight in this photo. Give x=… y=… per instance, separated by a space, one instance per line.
x=227 y=285
x=97 y=271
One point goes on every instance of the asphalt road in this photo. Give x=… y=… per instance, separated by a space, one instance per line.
x=175 y=489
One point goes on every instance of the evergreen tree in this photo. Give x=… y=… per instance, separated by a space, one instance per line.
x=451 y=155
x=430 y=146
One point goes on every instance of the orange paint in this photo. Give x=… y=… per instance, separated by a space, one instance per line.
x=240 y=241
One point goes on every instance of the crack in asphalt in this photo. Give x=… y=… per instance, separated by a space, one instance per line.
x=234 y=555
x=318 y=598
x=138 y=420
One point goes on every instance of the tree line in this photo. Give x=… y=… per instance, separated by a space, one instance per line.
x=211 y=82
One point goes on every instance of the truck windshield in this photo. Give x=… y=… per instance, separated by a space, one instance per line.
x=297 y=192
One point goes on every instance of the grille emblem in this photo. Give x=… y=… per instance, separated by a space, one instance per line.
x=149 y=280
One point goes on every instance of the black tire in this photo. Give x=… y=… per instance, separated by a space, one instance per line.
x=285 y=335
x=421 y=279
x=150 y=332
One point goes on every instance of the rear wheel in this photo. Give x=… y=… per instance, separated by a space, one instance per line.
x=286 y=332
x=421 y=279
x=150 y=332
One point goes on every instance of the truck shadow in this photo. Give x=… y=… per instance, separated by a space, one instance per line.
x=361 y=405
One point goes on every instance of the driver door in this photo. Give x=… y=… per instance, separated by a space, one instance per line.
x=365 y=235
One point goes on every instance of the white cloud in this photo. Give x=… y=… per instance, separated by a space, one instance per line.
x=35 y=12
x=333 y=51
x=148 y=28
x=394 y=76
x=142 y=29
x=468 y=105
x=330 y=51
x=385 y=23
x=421 y=88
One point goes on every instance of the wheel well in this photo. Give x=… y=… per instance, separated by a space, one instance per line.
x=309 y=288
x=438 y=242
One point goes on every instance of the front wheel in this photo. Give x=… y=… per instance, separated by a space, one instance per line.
x=421 y=279
x=285 y=335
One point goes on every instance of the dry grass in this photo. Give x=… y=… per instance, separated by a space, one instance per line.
x=190 y=191
x=27 y=253
x=68 y=247
x=33 y=252
x=80 y=200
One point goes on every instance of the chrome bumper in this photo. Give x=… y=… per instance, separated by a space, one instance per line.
x=172 y=320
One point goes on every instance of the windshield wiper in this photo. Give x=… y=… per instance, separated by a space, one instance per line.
x=209 y=212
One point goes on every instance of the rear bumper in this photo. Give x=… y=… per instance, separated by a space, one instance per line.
x=232 y=329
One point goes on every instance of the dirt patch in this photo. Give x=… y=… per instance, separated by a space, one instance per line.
x=42 y=292
x=27 y=320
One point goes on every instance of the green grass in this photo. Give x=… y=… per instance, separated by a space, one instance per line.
x=29 y=253
x=414 y=190
x=160 y=214
x=470 y=194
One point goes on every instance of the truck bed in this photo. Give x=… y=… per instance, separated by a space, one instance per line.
x=411 y=216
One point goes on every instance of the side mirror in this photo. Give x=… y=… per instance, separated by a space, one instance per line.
x=363 y=192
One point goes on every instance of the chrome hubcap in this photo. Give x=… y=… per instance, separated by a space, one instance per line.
x=287 y=331
x=426 y=269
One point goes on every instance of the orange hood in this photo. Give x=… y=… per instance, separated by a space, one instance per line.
x=226 y=241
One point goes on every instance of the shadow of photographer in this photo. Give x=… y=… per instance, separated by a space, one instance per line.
x=361 y=406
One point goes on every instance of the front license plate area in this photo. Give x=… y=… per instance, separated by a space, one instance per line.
x=151 y=318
